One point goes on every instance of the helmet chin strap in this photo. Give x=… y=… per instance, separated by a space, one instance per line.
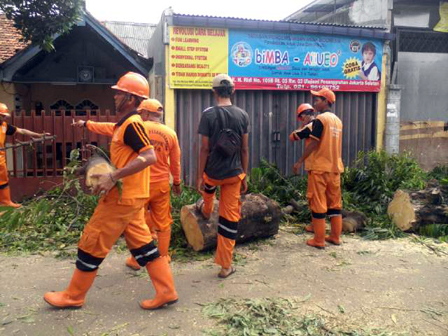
x=123 y=101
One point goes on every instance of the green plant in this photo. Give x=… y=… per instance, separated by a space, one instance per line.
x=40 y=21
x=267 y=180
x=50 y=221
x=439 y=231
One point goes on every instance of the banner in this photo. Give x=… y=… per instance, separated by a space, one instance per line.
x=196 y=56
x=277 y=61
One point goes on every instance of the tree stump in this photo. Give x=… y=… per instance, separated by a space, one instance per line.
x=353 y=221
x=414 y=209
x=260 y=217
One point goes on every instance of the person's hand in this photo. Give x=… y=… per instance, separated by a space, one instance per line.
x=200 y=184
x=244 y=185
x=177 y=189
x=296 y=167
x=105 y=183
x=79 y=123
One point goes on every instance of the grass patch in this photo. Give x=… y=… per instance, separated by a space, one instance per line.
x=272 y=316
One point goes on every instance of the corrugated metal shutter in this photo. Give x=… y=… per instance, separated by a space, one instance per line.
x=272 y=119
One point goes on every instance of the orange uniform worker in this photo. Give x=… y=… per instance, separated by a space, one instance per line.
x=306 y=115
x=222 y=168
x=132 y=154
x=8 y=129
x=324 y=170
x=166 y=147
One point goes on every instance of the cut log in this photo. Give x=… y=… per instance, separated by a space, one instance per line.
x=260 y=217
x=414 y=209
x=96 y=165
x=353 y=221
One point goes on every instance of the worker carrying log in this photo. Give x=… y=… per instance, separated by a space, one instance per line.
x=223 y=161
x=167 y=150
x=115 y=214
x=306 y=116
x=8 y=129
x=324 y=170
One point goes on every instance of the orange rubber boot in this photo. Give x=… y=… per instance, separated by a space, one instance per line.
x=309 y=228
x=336 y=229
x=319 y=234
x=5 y=198
x=160 y=273
x=74 y=295
x=164 y=243
x=132 y=263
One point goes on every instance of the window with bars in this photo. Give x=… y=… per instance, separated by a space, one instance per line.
x=62 y=106
x=82 y=107
x=423 y=42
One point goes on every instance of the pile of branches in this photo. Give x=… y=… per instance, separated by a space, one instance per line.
x=52 y=220
x=368 y=186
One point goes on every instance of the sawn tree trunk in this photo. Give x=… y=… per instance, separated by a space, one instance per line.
x=260 y=217
x=414 y=209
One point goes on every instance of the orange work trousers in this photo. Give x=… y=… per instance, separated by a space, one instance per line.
x=229 y=214
x=158 y=216
x=324 y=193
x=109 y=221
x=4 y=180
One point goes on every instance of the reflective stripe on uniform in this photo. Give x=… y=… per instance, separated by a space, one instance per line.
x=146 y=254
x=227 y=229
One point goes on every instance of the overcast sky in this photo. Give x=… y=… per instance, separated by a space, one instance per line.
x=149 y=11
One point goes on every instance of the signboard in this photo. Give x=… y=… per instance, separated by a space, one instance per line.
x=196 y=56
x=275 y=61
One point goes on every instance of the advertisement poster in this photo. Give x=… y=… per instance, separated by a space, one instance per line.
x=196 y=56
x=277 y=61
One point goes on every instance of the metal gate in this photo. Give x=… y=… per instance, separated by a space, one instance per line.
x=272 y=119
x=41 y=166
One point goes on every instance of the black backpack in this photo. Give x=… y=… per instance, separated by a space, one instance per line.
x=228 y=142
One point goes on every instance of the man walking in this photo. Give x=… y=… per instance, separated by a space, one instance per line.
x=324 y=170
x=167 y=150
x=115 y=214
x=223 y=161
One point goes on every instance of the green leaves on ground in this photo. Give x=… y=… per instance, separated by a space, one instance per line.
x=271 y=316
x=53 y=220
x=367 y=186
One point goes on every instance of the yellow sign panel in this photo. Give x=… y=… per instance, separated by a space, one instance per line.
x=197 y=54
x=442 y=26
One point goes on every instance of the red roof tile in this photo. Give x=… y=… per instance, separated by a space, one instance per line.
x=10 y=42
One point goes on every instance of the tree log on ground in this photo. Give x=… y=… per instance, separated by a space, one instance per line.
x=414 y=209
x=260 y=217
x=353 y=221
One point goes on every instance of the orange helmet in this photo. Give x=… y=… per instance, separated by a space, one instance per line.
x=303 y=107
x=4 y=110
x=151 y=105
x=326 y=93
x=133 y=83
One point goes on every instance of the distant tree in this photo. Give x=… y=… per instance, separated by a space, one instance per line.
x=40 y=20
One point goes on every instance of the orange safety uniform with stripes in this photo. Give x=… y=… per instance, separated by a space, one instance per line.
x=304 y=133
x=325 y=168
x=166 y=147
x=5 y=130
x=116 y=215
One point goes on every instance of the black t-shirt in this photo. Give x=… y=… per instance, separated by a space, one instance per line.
x=10 y=129
x=217 y=166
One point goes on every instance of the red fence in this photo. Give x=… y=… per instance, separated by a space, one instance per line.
x=41 y=165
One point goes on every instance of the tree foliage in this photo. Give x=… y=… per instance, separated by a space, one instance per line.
x=40 y=20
